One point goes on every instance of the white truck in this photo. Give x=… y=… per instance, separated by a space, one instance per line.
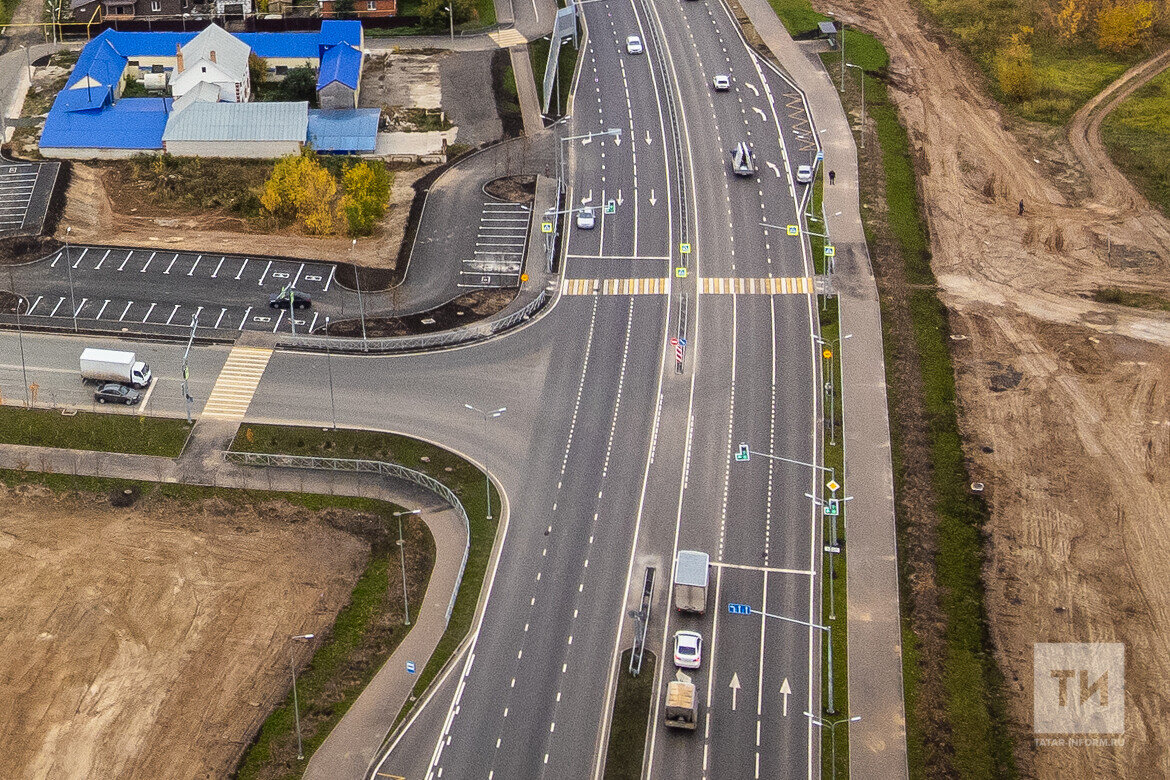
x=110 y=365
x=691 y=572
x=682 y=705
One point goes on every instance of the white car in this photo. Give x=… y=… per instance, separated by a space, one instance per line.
x=585 y=218
x=688 y=649
x=804 y=174
x=633 y=45
x=721 y=83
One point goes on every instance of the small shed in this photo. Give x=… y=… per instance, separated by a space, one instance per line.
x=344 y=132
x=829 y=30
x=339 y=78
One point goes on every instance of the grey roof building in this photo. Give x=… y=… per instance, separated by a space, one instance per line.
x=237 y=129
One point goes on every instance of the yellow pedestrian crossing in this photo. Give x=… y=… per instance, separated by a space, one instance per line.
x=237 y=382
x=656 y=286
x=506 y=38
x=789 y=285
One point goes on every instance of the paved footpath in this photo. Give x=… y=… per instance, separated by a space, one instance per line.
x=877 y=743
x=354 y=742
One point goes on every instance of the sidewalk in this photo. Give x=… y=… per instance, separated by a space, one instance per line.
x=355 y=741
x=877 y=743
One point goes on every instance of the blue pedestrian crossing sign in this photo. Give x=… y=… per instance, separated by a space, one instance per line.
x=410 y=667
x=680 y=272
x=684 y=248
x=739 y=609
x=830 y=250
x=794 y=230
x=546 y=227
x=743 y=453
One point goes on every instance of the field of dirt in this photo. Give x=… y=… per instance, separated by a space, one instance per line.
x=152 y=641
x=93 y=213
x=1064 y=404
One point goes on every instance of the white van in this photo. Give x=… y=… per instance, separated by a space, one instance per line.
x=742 y=162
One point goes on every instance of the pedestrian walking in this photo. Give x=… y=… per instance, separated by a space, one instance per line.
x=833 y=176
x=1021 y=208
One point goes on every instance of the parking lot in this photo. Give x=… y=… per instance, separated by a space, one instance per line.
x=25 y=190
x=140 y=290
x=499 y=246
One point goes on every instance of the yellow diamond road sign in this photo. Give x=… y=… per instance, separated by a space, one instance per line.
x=832 y=485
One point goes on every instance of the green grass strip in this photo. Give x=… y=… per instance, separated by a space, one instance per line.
x=631 y=716
x=94 y=431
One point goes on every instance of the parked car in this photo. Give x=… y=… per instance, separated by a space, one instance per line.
x=586 y=219
x=804 y=174
x=633 y=45
x=282 y=299
x=721 y=83
x=688 y=649
x=114 y=393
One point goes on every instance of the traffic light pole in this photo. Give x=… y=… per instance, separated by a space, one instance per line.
x=186 y=368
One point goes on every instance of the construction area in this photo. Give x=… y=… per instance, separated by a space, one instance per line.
x=152 y=640
x=1062 y=398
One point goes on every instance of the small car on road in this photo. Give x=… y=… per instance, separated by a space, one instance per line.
x=804 y=174
x=586 y=218
x=688 y=649
x=287 y=295
x=114 y=393
x=721 y=83
x=633 y=45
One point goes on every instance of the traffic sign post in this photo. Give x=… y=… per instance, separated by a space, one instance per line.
x=830 y=250
x=546 y=227
x=832 y=508
x=684 y=248
x=611 y=206
x=680 y=272
x=794 y=230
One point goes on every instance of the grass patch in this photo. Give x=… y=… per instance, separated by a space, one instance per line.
x=164 y=185
x=631 y=715
x=1137 y=135
x=971 y=717
x=1137 y=300
x=485 y=14
x=95 y=431
x=464 y=479
x=507 y=98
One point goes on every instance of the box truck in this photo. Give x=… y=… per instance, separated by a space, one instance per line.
x=682 y=705
x=690 y=581
x=109 y=365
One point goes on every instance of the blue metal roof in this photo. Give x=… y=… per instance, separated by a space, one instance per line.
x=131 y=123
x=341 y=63
x=145 y=44
x=101 y=61
x=286 y=45
x=335 y=31
x=353 y=130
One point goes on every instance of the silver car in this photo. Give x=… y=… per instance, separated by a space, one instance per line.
x=585 y=218
x=633 y=45
x=804 y=174
x=721 y=83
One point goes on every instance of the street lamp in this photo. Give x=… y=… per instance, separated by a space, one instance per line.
x=451 y=14
x=828 y=631
x=616 y=132
x=296 y=704
x=829 y=385
x=861 y=78
x=329 y=362
x=486 y=479
x=402 y=560
x=832 y=733
x=357 y=279
x=69 y=271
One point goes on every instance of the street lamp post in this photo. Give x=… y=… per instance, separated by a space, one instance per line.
x=69 y=271
x=828 y=631
x=20 y=339
x=451 y=15
x=487 y=482
x=402 y=561
x=832 y=724
x=861 y=77
x=296 y=703
x=830 y=386
x=329 y=363
x=357 y=280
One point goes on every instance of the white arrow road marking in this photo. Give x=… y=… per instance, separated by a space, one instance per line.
x=760 y=111
x=619 y=197
x=617 y=140
x=735 y=690
x=775 y=170
x=589 y=199
x=785 y=691
x=647 y=136
x=752 y=87
x=589 y=140
x=653 y=199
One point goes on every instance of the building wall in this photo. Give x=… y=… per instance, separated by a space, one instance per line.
x=362 y=9
x=288 y=63
x=86 y=153
x=336 y=96
x=254 y=149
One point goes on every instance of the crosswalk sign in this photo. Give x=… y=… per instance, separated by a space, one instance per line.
x=546 y=227
x=685 y=248
x=794 y=230
x=830 y=250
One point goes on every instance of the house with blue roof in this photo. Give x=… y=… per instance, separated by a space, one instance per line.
x=207 y=73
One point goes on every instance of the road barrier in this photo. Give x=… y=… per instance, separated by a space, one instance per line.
x=271 y=460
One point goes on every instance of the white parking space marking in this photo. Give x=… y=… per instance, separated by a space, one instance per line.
x=102 y=309
x=222 y=312
x=171 y=265
x=499 y=246
x=241 y=271
x=124 y=311
x=30 y=308
x=332 y=271
x=127 y=260
x=261 y=282
x=173 y=311
x=215 y=273
x=148 y=311
x=244 y=319
x=143 y=268
x=98 y=267
x=194 y=266
x=53 y=313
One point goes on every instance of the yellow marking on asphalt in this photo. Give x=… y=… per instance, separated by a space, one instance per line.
x=506 y=38
x=782 y=285
x=653 y=286
x=237 y=382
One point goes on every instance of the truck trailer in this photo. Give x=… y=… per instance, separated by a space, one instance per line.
x=109 y=365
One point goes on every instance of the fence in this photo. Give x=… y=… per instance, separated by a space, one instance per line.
x=367 y=467
x=445 y=338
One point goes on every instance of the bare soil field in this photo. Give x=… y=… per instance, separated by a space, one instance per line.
x=1065 y=412
x=99 y=212
x=151 y=641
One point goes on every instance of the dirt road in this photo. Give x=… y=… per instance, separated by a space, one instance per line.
x=151 y=641
x=1074 y=446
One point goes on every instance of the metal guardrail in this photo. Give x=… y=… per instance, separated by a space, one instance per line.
x=451 y=337
x=367 y=467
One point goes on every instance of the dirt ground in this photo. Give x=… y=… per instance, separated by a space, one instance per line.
x=152 y=641
x=1064 y=404
x=90 y=210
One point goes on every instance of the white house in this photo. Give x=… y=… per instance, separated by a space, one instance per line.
x=217 y=57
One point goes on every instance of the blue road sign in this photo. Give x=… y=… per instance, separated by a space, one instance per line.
x=739 y=609
x=820 y=156
x=743 y=453
x=410 y=667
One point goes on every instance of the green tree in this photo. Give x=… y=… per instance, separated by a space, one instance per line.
x=1014 y=69
x=367 y=190
x=434 y=12
x=1123 y=25
x=299 y=84
x=344 y=9
x=257 y=70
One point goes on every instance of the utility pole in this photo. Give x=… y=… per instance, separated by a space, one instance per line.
x=833 y=734
x=402 y=562
x=20 y=339
x=487 y=481
x=357 y=279
x=187 y=368
x=451 y=15
x=296 y=703
x=329 y=360
x=69 y=271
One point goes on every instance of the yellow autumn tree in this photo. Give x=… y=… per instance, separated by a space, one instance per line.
x=301 y=190
x=1066 y=17
x=1124 y=25
x=367 y=190
x=1014 y=69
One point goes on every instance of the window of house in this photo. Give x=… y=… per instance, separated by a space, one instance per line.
x=371 y=5
x=132 y=63
x=155 y=6
x=156 y=68
x=204 y=68
x=281 y=70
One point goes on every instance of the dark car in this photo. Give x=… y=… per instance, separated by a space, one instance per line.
x=114 y=393
x=281 y=299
